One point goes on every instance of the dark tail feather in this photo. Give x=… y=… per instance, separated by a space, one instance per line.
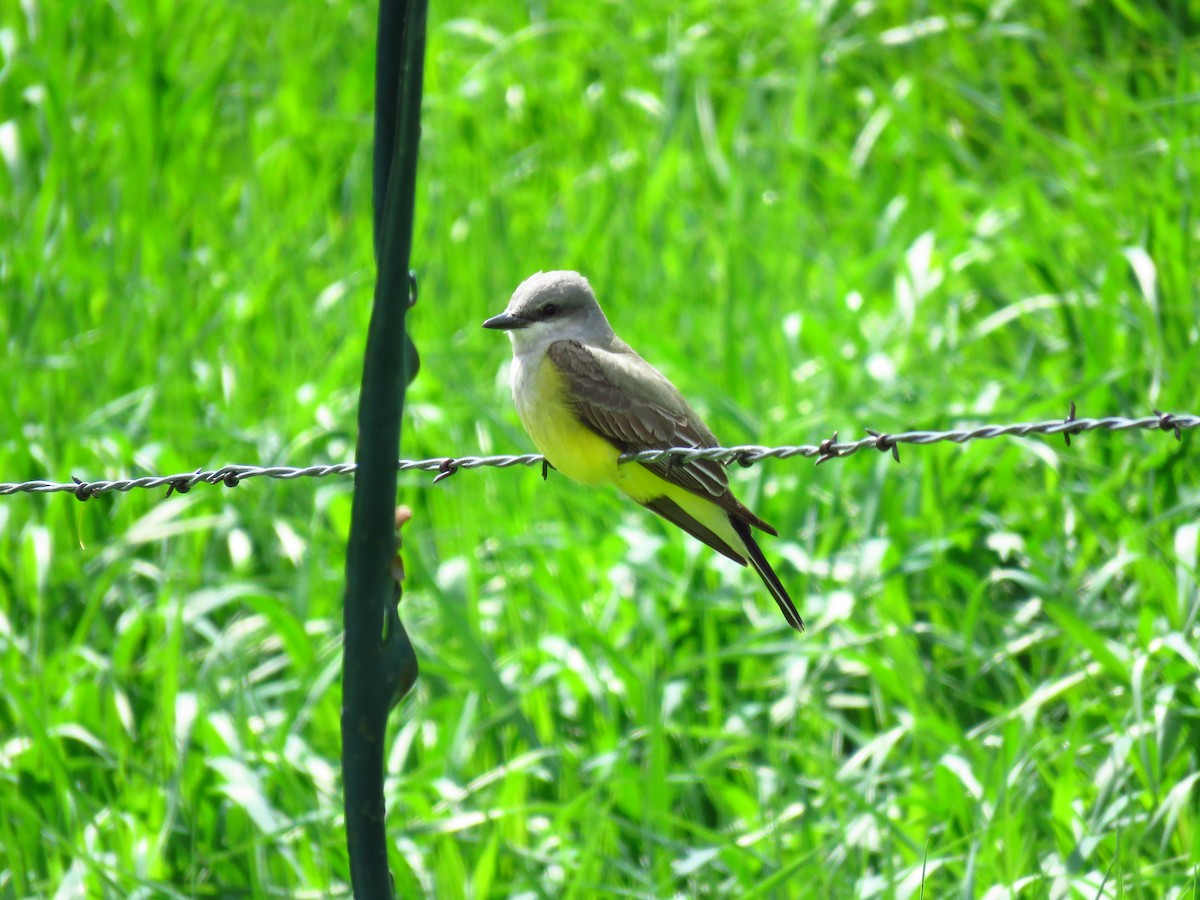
x=767 y=574
x=673 y=512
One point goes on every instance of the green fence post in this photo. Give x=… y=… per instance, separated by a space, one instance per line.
x=378 y=662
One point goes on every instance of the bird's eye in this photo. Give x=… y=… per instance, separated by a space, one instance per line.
x=549 y=310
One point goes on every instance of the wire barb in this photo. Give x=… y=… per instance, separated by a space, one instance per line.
x=747 y=458
x=1167 y=422
x=1069 y=419
x=884 y=443
x=182 y=484
x=444 y=466
x=446 y=469
x=827 y=449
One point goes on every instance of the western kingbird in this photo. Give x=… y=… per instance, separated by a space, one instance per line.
x=585 y=398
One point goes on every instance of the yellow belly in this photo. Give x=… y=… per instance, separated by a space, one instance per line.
x=572 y=448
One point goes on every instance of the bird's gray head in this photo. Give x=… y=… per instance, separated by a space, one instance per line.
x=549 y=307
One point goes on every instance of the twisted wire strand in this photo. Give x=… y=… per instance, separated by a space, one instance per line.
x=746 y=455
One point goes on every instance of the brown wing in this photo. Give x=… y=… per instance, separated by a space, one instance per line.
x=631 y=404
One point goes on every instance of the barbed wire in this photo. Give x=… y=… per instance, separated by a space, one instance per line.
x=745 y=455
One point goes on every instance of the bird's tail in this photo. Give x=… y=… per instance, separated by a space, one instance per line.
x=767 y=574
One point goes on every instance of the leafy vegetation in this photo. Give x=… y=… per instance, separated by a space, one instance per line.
x=813 y=217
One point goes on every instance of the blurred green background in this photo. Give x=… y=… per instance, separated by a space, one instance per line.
x=812 y=216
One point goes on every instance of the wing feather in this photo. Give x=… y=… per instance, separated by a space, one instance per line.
x=631 y=404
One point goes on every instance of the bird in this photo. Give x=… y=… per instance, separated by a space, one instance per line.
x=585 y=398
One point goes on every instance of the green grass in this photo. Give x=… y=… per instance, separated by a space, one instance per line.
x=813 y=217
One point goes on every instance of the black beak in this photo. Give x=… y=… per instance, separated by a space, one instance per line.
x=506 y=322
